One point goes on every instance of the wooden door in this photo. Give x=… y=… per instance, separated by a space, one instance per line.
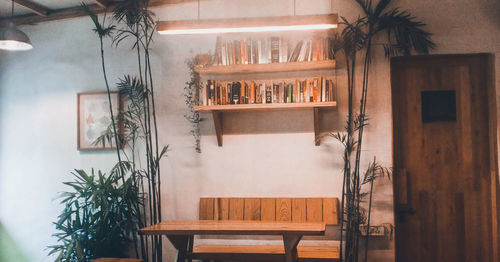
x=445 y=158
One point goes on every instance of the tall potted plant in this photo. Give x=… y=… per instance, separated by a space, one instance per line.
x=132 y=22
x=404 y=35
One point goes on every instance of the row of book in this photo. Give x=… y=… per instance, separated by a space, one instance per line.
x=318 y=89
x=271 y=50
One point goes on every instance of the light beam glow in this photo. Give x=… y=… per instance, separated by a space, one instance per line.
x=247 y=29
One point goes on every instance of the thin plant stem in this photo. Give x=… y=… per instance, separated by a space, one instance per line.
x=368 y=222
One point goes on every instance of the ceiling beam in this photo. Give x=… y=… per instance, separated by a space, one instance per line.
x=77 y=11
x=33 y=7
x=102 y=3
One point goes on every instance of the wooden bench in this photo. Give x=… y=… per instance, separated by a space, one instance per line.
x=268 y=209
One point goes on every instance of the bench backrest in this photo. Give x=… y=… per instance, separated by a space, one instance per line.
x=271 y=209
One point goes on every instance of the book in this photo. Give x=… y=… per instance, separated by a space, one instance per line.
x=323 y=89
x=315 y=90
x=275 y=49
x=235 y=93
x=269 y=94
x=217 y=56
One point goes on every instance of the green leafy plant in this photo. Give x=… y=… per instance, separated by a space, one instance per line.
x=134 y=24
x=192 y=96
x=97 y=219
x=404 y=34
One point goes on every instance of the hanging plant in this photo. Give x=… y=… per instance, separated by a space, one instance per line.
x=192 y=97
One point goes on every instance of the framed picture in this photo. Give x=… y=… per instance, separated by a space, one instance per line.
x=94 y=119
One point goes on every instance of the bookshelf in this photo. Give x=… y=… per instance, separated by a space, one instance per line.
x=265 y=68
x=268 y=55
x=275 y=106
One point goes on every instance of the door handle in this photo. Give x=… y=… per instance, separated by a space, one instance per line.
x=409 y=211
x=403 y=207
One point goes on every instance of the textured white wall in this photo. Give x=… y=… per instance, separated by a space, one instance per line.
x=264 y=154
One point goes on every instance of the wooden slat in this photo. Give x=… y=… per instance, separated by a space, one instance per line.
x=305 y=253
x=221 y=211
x=76 y=11
x=284 y=209
x=299 y=210
x=236 y=208
x=206 y=209
x=266 y=68
x=102 y=3
x=314 y=209
x=34 y=7
x=252 y=209
x=268 y=209
x=330 y=213
x=211 y=227
x=274 y=106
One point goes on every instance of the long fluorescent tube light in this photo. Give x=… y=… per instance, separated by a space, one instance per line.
x=248 y=25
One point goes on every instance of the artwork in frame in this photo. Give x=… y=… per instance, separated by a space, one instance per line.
x=94 y=119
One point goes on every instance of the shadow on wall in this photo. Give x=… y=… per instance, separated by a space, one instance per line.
x=278 y=122
x=9 y=249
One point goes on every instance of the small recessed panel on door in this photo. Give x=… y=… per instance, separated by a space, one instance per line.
x=439 y=106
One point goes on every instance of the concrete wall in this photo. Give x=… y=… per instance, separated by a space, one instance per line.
x=264 y=154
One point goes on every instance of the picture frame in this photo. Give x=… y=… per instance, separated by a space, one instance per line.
x=93 y=118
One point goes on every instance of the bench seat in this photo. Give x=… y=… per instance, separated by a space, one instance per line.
x=264 y=253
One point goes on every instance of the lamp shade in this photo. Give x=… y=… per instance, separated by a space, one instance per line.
x=248 y=25
x=13 y=39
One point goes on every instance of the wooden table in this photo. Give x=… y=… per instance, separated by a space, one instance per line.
x=181 y=232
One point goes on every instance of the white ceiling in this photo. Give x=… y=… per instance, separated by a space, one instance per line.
x=6 y=5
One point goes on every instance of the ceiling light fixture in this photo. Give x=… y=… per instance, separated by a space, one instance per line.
x=248 y=25
x=13 y=39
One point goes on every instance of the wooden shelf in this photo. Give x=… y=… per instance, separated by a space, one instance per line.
x=265 y=68
x=217 y=113
x=274 y=106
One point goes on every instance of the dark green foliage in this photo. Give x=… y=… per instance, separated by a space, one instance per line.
x=101 y=30
x=134 y=129
x=97 y=220
x=192 y=96
x=404 y=35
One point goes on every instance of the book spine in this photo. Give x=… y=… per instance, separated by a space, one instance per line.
x=310 y=91
x=252 y=93
x=289 y=98
x=269 y=94
x=315 y=90
x=259 y=52
x=332 y=90
x=235 y=92
x=224 y=54
x=282 y=93
x=275 y=49
x=323 y=89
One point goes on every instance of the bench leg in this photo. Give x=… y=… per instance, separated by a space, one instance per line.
x=181 y=244
x=291 y=242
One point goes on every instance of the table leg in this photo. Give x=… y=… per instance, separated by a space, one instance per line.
x=181 y=244
x=291 y=242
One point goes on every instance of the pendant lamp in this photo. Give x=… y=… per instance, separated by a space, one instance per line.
x=13 y=39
